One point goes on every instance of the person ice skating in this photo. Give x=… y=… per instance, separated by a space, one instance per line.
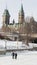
x=15 y=55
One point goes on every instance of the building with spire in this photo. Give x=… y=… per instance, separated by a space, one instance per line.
x=21 y=30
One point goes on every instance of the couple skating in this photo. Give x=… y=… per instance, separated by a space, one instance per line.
x=14 y=55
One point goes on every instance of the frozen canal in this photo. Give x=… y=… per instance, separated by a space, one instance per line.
x=23 y=58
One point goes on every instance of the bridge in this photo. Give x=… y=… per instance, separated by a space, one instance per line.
x=10 y=36
x=33 y=35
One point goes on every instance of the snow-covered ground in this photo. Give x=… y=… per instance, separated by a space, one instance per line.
x=23 y=58
x=15 y=44
x=9 y=45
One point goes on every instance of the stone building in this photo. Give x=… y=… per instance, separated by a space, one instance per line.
x=20 y=30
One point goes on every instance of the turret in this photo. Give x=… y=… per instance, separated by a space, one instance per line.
x=21 y=15
x=6 y=17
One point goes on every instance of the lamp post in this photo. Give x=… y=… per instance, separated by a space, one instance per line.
x=17 y=42
x=5 y=43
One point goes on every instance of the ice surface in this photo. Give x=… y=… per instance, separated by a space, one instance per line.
x=24 y=58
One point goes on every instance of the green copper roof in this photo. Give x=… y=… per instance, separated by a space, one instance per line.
x=21 y=10
x=6 y=12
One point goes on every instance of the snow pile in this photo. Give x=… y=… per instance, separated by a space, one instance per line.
x=32 y=45
x=2 y=43
x=15 y=45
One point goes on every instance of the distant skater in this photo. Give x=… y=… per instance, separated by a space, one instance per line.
x=15 y=55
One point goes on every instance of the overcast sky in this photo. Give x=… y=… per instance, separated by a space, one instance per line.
x=30 y=8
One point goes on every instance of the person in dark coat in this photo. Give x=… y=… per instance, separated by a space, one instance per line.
x=15 y=55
